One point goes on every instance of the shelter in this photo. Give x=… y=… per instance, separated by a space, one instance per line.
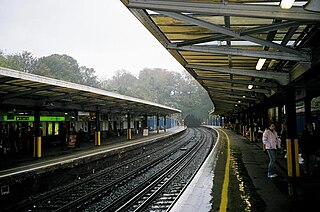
x=19 y=89
x=220 y=43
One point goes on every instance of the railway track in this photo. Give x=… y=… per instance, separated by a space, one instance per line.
x=161 y=194
x=110 y=188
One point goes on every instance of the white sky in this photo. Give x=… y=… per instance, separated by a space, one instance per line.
x=99 y=34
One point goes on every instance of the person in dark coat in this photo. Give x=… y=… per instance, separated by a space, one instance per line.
x=308 y=148
x=63 y=137
x=13 y=138
x=283 y=137
x=30 y=136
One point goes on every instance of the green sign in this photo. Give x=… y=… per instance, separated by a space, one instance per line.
x=31 y=118
x=52 y=118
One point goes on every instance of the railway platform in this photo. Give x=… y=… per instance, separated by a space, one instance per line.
x=18 y=167
x=243 y=185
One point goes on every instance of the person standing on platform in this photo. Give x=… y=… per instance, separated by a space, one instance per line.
x=257 y=132
x=30 y=137
x=63 y=137
x=283 y=137
x=13 y=138
x=308 y=148
x=269 y=138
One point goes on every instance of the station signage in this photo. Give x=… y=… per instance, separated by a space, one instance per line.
x=22 y=118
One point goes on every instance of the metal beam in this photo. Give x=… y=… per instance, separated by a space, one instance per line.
x=145 y=19
x=270 y=27
x=232 y=98
x=289 y=35
x=244 y=82
x=241 y=52
x=27 y=92
x=226 y=9
x=58 y=97
x=246 y=99
x=263 y=91
x=223 y=30
x=282 y=78
x=5 y=79
x=231 y=102
x=202 y=40
x=258 y=97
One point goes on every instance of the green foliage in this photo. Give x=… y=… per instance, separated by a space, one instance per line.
x=157 y=85
x=3 y=60
x=62 y=67
x=164 y=87
x=22 y=62
x=88 y=76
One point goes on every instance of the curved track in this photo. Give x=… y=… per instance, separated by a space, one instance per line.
x=124 y=187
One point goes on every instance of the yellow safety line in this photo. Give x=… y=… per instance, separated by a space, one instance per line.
x=224 y=193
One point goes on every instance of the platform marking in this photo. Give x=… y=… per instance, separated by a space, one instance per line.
x=224 y=193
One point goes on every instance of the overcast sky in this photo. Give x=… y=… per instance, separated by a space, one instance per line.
x=99 y=34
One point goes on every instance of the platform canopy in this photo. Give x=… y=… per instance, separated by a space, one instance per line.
x=29 y=91
x=220 y=43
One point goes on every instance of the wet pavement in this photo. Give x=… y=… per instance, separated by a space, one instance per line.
x=258 y=192
x=248 y=187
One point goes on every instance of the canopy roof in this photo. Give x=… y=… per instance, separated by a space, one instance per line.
x=219 y=44
x=29 y=91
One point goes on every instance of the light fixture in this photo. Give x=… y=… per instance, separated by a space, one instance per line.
x=286 y=4
x=250 y=87
x=239 y=101
x=243 y=96
x=260 y=63
x=312 y=5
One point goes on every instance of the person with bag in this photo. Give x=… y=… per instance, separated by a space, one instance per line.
x=269 y=138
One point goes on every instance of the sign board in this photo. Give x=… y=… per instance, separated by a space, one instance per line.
x=145 y=132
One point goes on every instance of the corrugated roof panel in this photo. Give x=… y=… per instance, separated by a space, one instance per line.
x=32 y=90
x=227 y=28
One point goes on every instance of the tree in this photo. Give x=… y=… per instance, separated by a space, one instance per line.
x=22 y=62
x=88 y=76
x=62 y=67
x=164 y=87
x=123 y=82
x=157 y=85
x=3 y=60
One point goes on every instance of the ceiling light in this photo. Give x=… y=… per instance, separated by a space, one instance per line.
x=243 y=96
x=250 y=87
x=286 y=4
x=260 y=63
x=312 y=5
x=239 y=101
